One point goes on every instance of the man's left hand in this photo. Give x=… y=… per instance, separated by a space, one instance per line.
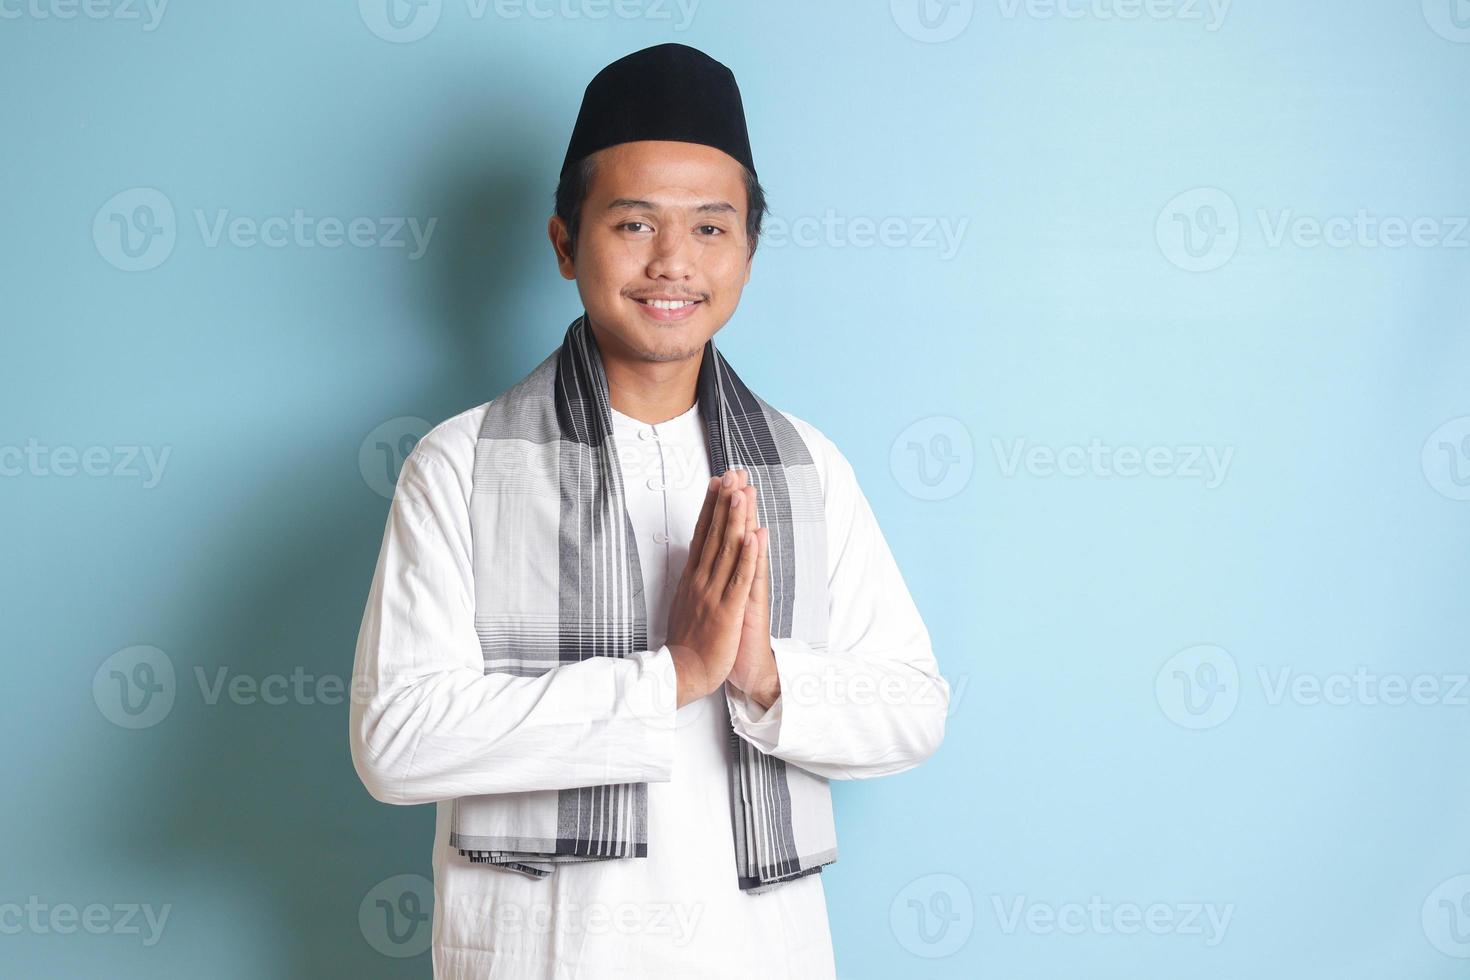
x=755 y=664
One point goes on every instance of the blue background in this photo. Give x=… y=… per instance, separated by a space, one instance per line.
x=1078 y=762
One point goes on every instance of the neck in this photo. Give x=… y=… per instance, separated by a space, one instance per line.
x=649 y=391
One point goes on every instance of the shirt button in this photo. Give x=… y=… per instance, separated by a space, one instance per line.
x=655 y=484
x=660 y=537
x=645 y=433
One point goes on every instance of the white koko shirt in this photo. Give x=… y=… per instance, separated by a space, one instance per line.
x=436 y=726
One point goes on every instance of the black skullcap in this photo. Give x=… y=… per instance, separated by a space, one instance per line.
x=666 y=92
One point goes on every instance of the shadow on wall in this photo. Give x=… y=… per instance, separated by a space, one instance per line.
x=266 y=794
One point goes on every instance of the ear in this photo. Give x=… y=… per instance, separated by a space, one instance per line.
x=561 y=243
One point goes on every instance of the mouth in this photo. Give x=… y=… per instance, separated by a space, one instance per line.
x=663 y=309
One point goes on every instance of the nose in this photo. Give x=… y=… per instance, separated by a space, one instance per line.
x=675 y=253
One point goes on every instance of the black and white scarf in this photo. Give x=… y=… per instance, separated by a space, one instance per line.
x=557 y=580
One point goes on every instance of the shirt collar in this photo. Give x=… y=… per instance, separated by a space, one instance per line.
x=682 y=426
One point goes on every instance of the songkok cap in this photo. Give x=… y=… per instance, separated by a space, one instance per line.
x=666 y=92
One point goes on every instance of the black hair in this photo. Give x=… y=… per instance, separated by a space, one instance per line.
x=571 y=192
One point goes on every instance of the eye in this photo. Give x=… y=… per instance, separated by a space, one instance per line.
x=629 y=224
x=715 y=228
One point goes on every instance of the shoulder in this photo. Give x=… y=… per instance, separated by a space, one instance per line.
x=444 y=457
x=834 y=470
x=452 y=440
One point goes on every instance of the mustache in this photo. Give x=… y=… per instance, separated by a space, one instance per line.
x=668 y=294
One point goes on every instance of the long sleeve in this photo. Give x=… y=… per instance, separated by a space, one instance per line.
x=873 y=703
x=427 y=723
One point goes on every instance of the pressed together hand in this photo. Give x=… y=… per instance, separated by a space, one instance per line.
x=719 y=623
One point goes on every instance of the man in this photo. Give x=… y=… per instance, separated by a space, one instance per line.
x=628 y=619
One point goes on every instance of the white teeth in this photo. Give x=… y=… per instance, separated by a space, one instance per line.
x=667 y=304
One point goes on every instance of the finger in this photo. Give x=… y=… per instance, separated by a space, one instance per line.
x=757 y=607
x=728 y=554
x=743 y=573
x=719 y=515
x=715 y=539
x=759 y=588
x=701 y=526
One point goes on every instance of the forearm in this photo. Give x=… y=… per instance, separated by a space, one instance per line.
x=460 y=732
x=853 y=715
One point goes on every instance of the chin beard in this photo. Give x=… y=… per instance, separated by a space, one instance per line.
x=667 y=346
x=671 y=352
x=654 y=345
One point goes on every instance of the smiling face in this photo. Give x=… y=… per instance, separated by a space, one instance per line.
x=662 y=253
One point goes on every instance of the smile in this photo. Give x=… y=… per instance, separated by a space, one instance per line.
x=668 y=310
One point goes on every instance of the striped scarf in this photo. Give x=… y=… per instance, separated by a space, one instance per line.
x=557 y=580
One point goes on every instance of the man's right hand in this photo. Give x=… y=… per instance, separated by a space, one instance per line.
x=709 y=606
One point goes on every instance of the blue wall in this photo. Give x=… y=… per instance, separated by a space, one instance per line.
x=1145 y=334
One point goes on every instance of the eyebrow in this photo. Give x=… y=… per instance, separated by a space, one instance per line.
x=632 y=204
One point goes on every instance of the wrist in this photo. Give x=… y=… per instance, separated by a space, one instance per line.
x=765 y=691
x=690 y=676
